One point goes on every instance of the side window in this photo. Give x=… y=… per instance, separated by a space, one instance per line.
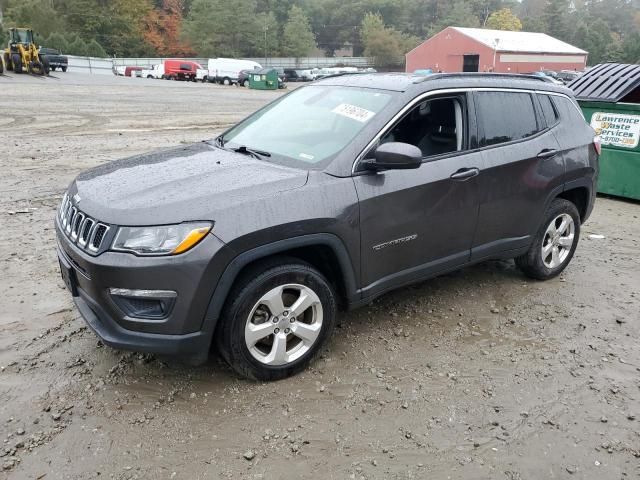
x=548 y=110
x=505 y=116
x=435 y=126
x=185 y=66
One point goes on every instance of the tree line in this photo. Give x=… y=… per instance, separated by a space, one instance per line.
x=382 y=29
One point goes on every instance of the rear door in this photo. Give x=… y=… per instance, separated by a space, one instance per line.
x=523 y=166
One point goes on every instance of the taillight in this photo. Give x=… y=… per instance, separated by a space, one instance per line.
x=597 y=144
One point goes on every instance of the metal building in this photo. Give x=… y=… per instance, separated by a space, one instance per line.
x=457 y=49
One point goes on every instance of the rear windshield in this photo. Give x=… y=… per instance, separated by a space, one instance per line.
x=308 y=127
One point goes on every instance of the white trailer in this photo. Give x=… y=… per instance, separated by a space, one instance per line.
x=226 y=70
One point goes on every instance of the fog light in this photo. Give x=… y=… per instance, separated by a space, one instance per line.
x=144 y=304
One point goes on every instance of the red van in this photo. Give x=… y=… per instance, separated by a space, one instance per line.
x=180 y=69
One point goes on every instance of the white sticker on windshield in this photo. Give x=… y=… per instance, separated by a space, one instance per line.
x=354 y=112
x=306 y=156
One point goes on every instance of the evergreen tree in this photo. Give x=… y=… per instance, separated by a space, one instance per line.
x=297 y=38
x=555 y=18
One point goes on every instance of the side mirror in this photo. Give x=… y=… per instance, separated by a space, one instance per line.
x=395 y=156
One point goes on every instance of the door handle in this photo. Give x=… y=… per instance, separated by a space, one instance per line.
x=547 y=153
x=465 y=174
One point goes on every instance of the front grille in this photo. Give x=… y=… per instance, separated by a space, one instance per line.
x=82 y=230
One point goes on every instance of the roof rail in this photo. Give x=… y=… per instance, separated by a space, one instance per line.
x=520 y=76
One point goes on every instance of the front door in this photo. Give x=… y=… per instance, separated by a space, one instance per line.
x=415 y=223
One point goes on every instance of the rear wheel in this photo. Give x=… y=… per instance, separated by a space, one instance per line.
x=276 y=321
x=226 y=81
x=45 y=66
x=64 y=69
x=554 y=244
x=246 y=83
x=17 y=63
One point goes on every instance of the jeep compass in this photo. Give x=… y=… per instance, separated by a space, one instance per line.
x=323 y=200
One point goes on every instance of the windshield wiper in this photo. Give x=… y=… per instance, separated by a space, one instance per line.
x=250 y=151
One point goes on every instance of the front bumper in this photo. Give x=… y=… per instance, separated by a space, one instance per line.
x=185 y=331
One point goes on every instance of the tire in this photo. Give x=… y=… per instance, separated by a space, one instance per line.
x=45 y=66
x=226 y=81
x=260 y=358
x=246 y=83
x=555 y=242
x=53 y=69
x=64 y=69
x=149 y=76
x=17 y=63
x=1 y=66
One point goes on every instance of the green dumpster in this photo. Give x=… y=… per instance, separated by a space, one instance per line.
x=609 y=95
x=264 y=79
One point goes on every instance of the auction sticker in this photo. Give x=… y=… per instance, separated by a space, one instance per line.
x=354 y=112
x=617 y=129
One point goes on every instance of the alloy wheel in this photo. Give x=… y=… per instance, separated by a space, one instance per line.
x=284 y=324
x=558 y=240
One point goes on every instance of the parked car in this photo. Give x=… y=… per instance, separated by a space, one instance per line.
x=327 y=198
x=546 y=78
x=226 y=71
x=568 y=76
x=55 y=58
x=243 y=77
x=178 y=69
x=291 y=75
x=156 y=71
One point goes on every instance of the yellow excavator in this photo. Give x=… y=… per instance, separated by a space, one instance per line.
x=21 y=55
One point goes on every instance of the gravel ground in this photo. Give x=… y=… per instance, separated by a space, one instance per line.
x=480 y=374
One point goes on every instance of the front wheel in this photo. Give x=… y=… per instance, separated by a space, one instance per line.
x=16 y=59
x=277 y=319
x=246 y=83
x=64 y=69
x=555 y=242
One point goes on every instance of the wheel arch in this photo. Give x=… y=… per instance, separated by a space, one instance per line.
x=324 y=251
x=579 y=196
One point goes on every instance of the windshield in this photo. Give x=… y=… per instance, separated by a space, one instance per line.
x=310 y=125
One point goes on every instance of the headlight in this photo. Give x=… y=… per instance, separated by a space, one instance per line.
x=161 y=240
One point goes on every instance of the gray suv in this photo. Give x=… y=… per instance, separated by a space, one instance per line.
x=323 y=200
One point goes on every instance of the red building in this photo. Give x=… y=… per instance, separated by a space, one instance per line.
x=457 y=49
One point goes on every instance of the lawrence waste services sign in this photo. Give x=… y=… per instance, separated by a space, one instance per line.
x=617 y=129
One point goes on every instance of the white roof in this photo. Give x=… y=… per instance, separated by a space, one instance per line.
x=530 y=42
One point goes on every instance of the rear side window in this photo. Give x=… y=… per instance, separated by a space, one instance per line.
x=548 y=110
x=185 y=66
x=505 y=116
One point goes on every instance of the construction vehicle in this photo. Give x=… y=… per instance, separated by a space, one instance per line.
x=22 y=55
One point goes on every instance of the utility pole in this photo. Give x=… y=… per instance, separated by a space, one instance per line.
x=495 y=50
x=265 y=41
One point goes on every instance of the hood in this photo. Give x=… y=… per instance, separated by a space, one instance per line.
x=177 y=185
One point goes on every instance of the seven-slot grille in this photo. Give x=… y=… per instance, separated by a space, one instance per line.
x=86 y=232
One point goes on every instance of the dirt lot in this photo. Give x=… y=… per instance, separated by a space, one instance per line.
x=481 y=374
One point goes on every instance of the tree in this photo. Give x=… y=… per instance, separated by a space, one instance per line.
x=631 y=48
x=94 y=49
x=459 y=14
x=297 y=38
x=385 y=45
x=38 y=15
x=57 y=41
x=163 y=26
x=265 y=36
x=504 y=19
x=77 y=47
x=555 y=18
x=214 y=29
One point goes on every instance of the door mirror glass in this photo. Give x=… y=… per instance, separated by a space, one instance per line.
x=395 y=156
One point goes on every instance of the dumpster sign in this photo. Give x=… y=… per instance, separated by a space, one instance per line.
x=617 y=129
